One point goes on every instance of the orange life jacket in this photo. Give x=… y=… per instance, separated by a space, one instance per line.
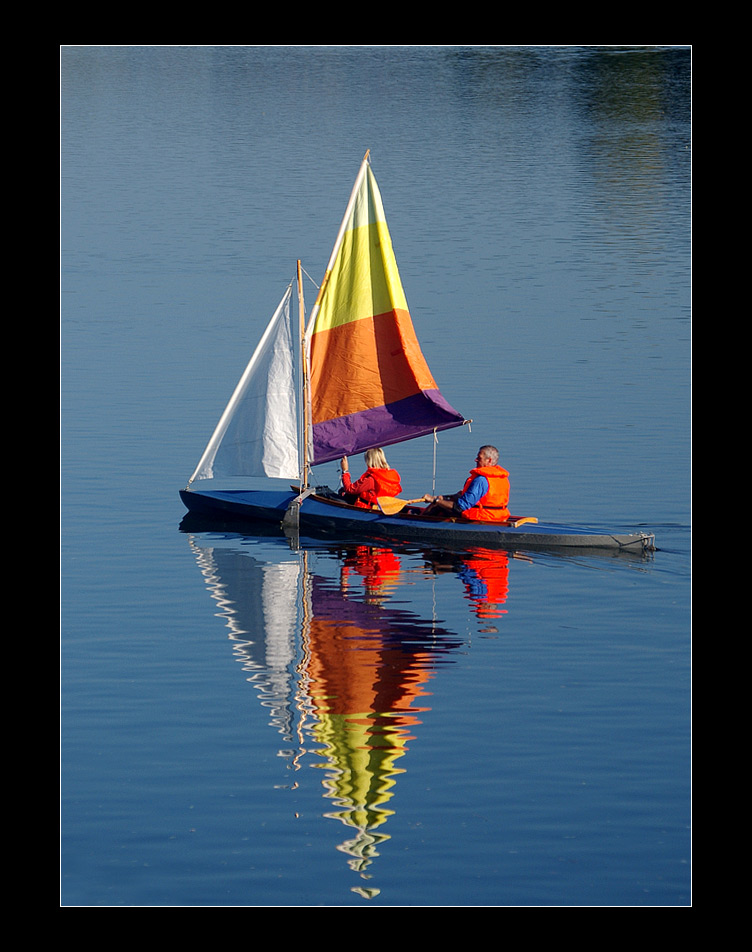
x=386 y=481
x=493 y=506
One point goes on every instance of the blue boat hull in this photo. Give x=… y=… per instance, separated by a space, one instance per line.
x=333 y=516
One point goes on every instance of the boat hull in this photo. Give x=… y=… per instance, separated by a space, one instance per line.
x=333 y=516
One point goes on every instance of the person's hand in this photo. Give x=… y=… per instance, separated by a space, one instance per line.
x=344 y=464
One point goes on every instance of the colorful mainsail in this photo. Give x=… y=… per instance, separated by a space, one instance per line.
x=369 y=382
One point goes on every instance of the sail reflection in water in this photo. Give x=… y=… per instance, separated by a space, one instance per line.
x=367 y=667
x=342 y=670
x=262 y=608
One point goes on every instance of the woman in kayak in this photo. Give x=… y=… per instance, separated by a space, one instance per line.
x=378 y=480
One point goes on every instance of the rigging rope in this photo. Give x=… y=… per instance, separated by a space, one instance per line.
x=435 y=443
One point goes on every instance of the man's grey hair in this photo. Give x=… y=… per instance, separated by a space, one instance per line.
x=491 y=452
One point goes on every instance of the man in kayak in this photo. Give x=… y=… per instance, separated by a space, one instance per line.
x=485 y=495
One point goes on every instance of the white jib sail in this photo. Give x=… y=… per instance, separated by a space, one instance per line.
x=257 y=434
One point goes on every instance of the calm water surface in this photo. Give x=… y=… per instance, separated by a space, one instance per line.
x=254 y=720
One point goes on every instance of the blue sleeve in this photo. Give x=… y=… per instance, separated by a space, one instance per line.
x=475 y=492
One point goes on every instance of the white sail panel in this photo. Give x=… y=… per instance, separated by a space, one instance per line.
x=258 y=433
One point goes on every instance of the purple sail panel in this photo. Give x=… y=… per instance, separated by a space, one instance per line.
x=406 y=419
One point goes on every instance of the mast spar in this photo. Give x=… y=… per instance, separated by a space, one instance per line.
x=305 y=401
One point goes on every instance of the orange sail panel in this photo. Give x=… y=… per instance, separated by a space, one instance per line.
x=370 y=384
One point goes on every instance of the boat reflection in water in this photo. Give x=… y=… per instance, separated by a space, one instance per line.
x=342 y=670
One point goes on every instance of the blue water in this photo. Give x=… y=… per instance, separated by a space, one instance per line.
x=250 y=721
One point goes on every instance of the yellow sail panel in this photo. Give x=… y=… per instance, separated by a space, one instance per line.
x=363 y=281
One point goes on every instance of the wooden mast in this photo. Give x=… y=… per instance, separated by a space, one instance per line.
x=305 y=382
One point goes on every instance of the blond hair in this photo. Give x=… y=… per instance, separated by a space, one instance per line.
x=375 y=459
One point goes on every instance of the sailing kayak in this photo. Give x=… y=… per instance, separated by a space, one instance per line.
x=334 y=515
